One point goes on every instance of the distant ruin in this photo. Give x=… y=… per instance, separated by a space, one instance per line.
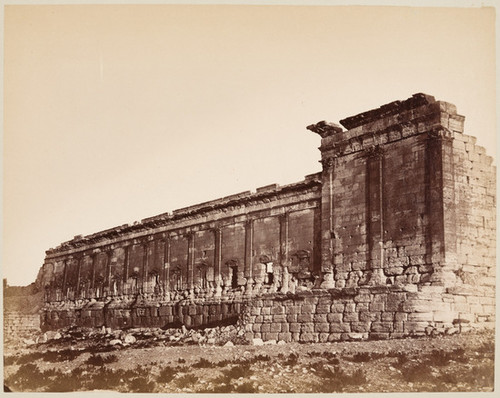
x=394 y=237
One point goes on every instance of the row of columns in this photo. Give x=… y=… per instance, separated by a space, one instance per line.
x=166 y=273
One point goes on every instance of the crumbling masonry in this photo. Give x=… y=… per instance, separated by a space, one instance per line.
x=394 y=237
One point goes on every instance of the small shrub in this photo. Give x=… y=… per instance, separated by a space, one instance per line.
x=141 y=384
x=238 y=371
x=99 y=360
x=222 y=363
x=7 y=361
x=361 y=357
x=181 y=360
x=292 y=360
x=166 y=375
x=65 y=383
x=187 y=380
x=439 y=358
x=419 y=372
x=246 y=388
x=402 y=359
x=27 y=378
x=480 y=376
x=338 y=380
x=59 y=356
x=261 y=357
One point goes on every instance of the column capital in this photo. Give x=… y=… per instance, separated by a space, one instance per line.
x=375 y=152
x=328 y=162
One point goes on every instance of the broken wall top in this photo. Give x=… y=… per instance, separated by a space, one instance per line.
x=418 y=114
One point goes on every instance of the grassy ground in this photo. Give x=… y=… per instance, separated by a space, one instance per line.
x=462 y=362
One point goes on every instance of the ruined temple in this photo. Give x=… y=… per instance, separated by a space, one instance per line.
x=394 y=237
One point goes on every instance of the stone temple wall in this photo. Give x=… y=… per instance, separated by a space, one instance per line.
x=395 y=237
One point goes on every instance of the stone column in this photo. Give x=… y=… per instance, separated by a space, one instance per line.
x=440 y=207
x=248 y=254
x=375 y=216
x=79 y=260
x=190 y=276
x=217 y=261
x=92 y=276
x=65 y=277
x=327 y=222
x=284 y=219
x=126 y=261
x=108 y=281
x=145 y=265
x=166 y=264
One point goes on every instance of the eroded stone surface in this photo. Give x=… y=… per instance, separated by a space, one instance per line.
x=394 y=237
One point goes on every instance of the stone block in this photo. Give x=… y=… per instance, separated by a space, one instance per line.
x=362 y=298
x=362 y=307
x=334 y=317
x=360 y=327
x=387 y=316
x=269 y=336
x=256 y=327
x=334 y=337
x=276 y=327
x=304 y=318
x=255 y=311
x=279 y=318
x=307 y=309
x=307 y=327
x=265 y=327
x=376 y=307
x=322 y=327
x=323 y=308
x=291 y=318
x=277 y=310
x=340 y=327
x=351 y=317
x=320 y=318
x=266 y=311
x=286 y=337
x=323 y=337
x=385 y=327
x=295 y=309
x=307 y=337
x=337 y=307
x=367 y=316
x=401 y=316
x=294 y=327
x=415 y=327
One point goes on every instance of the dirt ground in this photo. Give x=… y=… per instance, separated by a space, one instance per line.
x=155 y=363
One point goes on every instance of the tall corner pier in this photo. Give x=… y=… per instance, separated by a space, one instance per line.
x=394 y=237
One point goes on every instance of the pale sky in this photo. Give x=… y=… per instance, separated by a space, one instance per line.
x=115 y=113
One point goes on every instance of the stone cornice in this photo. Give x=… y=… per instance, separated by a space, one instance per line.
x=197 y=214
x=392 y=108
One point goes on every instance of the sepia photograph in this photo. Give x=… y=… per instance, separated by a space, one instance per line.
x=283 y=198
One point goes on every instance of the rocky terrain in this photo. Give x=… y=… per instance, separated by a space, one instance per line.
x=219 y=360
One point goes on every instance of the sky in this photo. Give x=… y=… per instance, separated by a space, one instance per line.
x=115 y=113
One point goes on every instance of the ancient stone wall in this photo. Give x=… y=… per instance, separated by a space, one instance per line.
x=17 y=324
x=395 y=237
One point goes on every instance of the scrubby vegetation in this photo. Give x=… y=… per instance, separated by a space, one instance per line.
x=442 y=364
